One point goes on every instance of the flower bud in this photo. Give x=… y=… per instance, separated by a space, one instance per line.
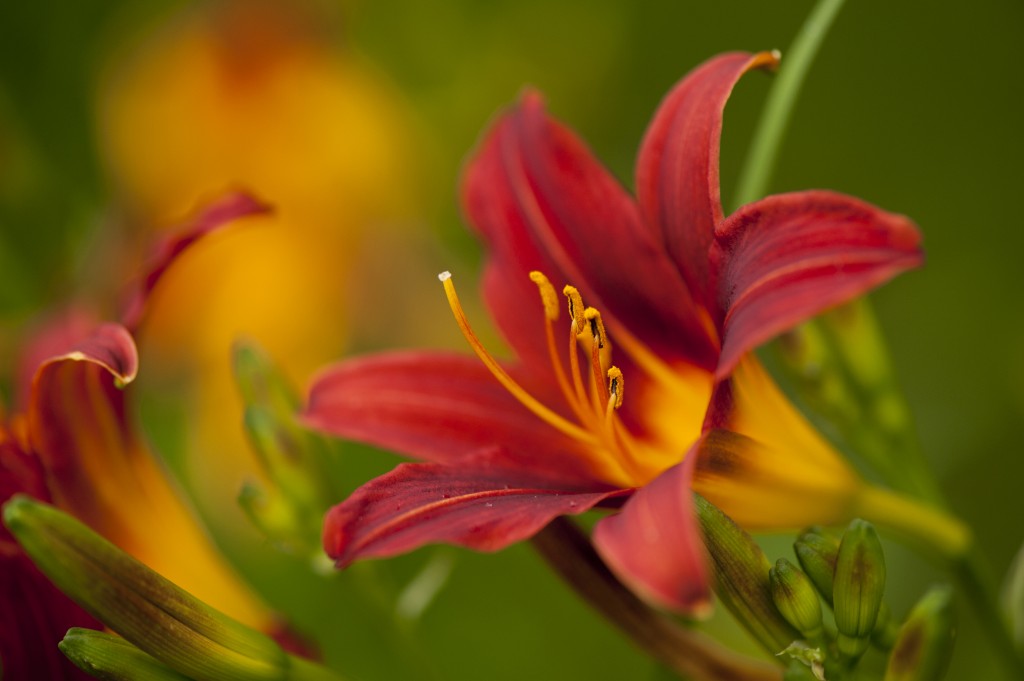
x=816 y=550
x=924 y=644
x=147 y=610
x=106 y=656
x=259 y=381
x=293 y=459
x=741 y=578
x=796 y=599
x=858 y=587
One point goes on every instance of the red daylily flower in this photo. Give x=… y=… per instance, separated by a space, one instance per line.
x=74 y=443
x=683 y=292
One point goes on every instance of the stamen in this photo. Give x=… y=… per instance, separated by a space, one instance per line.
x=572 y=396
x=517 y=391
x=547 y=295
x=597 y=343
x=593 y=317
x=616 y=383
x=574 y=368
x=575 y=308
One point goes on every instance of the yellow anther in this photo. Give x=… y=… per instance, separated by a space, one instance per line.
x=575 y=307
x=593 y=318
x=547 y=295
x=615 y=385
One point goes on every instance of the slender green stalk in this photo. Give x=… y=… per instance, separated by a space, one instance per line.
x=972 y=576
x=764 y=149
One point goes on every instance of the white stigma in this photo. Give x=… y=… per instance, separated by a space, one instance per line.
x=444 y=276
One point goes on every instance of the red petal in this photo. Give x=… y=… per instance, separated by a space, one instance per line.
x=491 y=207
x=213 y=217
x=434 y=406
x=77 y=423
x=654 y=543
x=592 y=227
x=544 y=202
x=35 y=615
x=34 y=619
x=788 y=257
x=19 y=473
x=677 y=170
x=109 y=346
x=485 y=503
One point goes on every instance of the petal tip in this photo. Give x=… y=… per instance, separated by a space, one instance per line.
x=700 y=609
x=530 y=98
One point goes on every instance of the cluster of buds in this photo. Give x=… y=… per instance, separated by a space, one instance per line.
x=289 y=508
x=781 y=606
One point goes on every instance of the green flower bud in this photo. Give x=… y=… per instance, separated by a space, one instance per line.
x=796 y=599
x=816 y=550
x=109 y=657
x=293 y=459
x=147 y=610
x=271 y=513
x=741 y=578
x=858 y=587
x=925 y=641
x=260 y=382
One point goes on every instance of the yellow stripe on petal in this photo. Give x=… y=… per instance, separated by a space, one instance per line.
x=99 y=470
x=772 y=470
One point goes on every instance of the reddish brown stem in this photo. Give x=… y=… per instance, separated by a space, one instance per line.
x=689 y=653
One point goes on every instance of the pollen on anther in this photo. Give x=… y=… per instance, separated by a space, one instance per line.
x=547 y=295
x=575 y=306
x=593 y=318
x=444 y=276
x=615 y=385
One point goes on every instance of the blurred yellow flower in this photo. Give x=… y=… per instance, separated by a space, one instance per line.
x=254 y=95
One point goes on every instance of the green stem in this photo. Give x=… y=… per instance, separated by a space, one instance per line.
x=972 y=576
x=764 y=149
x=690 y=654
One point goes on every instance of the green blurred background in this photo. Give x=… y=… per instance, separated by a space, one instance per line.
x=913 y=106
